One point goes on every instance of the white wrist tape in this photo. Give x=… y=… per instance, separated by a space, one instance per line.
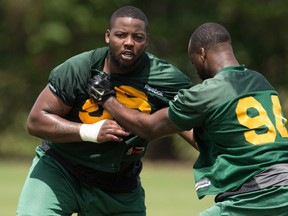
x=89 y=132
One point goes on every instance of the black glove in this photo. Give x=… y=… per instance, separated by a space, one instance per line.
x=100 y=88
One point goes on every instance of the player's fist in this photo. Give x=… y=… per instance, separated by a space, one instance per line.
x=100 y=88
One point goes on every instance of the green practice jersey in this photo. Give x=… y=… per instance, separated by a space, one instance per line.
x=148 y=88
x=238 y=125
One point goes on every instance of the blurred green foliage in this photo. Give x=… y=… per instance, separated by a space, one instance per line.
x=36 y=36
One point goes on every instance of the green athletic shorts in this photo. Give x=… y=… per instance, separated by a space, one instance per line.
x=51 y=190
x=265 y=202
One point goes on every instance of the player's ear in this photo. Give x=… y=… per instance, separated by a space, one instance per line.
x=202 y=53
x=107 y=35
x=147 y=39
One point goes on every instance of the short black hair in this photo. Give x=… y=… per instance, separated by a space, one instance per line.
x=129 y=11
x=208 y=35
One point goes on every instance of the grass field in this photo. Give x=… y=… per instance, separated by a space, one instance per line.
x=169 y=189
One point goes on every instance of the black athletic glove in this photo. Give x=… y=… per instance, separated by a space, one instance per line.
x=100 y=88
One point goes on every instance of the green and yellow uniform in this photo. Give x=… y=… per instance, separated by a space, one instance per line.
x=108 y=173
x=240 y=131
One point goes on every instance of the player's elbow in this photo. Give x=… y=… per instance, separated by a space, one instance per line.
x=32 y=126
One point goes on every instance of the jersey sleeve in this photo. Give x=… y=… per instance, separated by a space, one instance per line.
x=68 y=80
x=189 y=107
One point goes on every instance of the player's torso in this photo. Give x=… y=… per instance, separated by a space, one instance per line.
x=242 y=135
x=146 y=90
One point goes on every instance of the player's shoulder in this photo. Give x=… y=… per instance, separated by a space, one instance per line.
x=161 y=64
x=153 y=57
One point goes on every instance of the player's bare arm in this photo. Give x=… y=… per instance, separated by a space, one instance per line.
x=147 y=126
x=46 y=121
x=189 y=137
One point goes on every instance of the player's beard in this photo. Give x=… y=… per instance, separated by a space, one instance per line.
x=121 y=67
x=202 y=73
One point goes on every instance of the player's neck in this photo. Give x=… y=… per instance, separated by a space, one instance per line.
x=222 y=60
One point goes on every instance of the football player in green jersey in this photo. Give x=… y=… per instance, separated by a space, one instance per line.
x=238 y=125
x=87 y=163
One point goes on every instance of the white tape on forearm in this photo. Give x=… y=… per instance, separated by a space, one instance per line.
x=89 y=132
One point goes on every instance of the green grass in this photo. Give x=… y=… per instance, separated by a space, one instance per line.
x=169 y=189
x=12 y=176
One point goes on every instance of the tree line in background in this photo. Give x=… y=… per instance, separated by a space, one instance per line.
x=36 y=36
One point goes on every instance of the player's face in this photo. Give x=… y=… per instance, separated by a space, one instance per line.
x=196 y=60
x=127 y=40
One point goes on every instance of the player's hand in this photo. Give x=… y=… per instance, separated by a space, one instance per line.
x=100 y=88
x=102 y=131
x=111 y=131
